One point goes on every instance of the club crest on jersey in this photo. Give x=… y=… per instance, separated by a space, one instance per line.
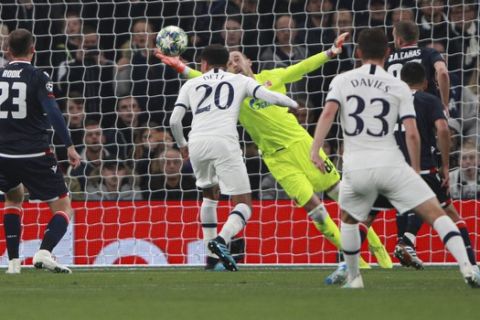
x=54 y=168
x=49 y=86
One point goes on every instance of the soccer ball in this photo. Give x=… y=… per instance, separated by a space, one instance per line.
x=172 y=41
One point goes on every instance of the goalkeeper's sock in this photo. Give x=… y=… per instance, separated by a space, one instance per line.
x=56 y=228
x=208 y=218
x=462 y=226
x=452 y=240
x=377 y=248
x=329 y=230
x=13 y=230
x=350 y=236
x=236 y=221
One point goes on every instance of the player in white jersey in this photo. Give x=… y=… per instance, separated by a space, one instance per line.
x=213 y=147
x=370 y=102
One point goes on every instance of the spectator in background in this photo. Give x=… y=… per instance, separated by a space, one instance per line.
x=317 y=25
x=432 y=21
x=3 y=44
x=232 y=34
x=463 y=37
x=455 y=138
x=67 y=43
x=75 y=118
x=465 y=180
x=128 y=122
x=111 y=182
x=91 y=74
x=167 y=181
x=93 y=153
x=134 y=55
x=150 y=141
x=285 y=52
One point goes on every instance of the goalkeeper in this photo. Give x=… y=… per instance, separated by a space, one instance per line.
x=285 y=145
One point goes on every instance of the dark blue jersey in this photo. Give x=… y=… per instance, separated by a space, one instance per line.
x=428 y=109
x=426 y=56
x=23 y=120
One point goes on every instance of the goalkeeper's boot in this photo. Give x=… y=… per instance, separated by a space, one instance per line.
x=218 y=247
x=472 y=278
x=407 y=256
x=383 y=258
x=355 y=283
x=14 y=266
x=43 y=260
x=362 y=264
x=338 y=276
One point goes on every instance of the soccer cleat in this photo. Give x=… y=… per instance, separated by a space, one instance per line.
x=355 y=283
x=14 y=266
x=383 y=258
x=43 y=260
x=407 y=256
x=220 y=249
x=338 y=276
x=473 y=280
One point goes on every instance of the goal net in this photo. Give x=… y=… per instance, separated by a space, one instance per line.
x=135 y=199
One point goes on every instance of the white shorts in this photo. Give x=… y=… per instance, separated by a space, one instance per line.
x=401 y=185
x=219 y=161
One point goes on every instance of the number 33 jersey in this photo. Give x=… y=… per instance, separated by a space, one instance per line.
x=23 y=121
x=371 y=102
x=215 y=99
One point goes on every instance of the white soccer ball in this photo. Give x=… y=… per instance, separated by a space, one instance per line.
x=172 y=40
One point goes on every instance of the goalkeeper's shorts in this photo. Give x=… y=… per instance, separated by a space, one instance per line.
x=296 y=173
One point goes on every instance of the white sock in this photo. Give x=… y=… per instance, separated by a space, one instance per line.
x=236 y=221
x=447 y=230
x=208 y=218
x=350 y=237
x=411 y=237
x=319 y=213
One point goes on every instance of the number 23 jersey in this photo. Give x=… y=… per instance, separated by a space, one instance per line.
x=371 y=102
x=23 y=121
x=215 y=99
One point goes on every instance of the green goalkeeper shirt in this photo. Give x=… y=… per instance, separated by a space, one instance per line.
x=272 y=127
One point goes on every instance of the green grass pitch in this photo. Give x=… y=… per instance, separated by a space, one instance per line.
x=277 y=293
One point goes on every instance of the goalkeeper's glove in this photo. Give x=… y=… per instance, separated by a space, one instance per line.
x=173 y=62
x=336 y=48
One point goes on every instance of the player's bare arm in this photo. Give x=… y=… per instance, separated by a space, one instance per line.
x=443 y=144
x=323 y=127
x=412 y=138
x=73 y=157
x=443 y=80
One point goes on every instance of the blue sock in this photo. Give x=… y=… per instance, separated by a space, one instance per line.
x=56 y=228
x=13 y=230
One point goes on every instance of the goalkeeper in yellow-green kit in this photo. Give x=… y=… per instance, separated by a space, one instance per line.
x=285 y=147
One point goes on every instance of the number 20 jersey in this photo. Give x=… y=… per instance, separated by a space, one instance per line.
x=371 y=102
x=215 y=99
x=23 y=121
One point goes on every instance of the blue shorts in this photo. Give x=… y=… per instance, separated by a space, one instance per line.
x=40 y=175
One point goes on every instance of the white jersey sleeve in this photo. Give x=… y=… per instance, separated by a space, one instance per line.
x=406 y=108
x=334 y=92
x=183 y=99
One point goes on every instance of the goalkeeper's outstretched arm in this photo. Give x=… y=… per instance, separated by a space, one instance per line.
x=297 y=71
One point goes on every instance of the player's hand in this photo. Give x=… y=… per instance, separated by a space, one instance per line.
x=293 y=111
x=317 y=161
x=73 y=157
x=184 y=152
x=446 y=111
x=444 y=173
x=336 y=49
x=173 y=62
